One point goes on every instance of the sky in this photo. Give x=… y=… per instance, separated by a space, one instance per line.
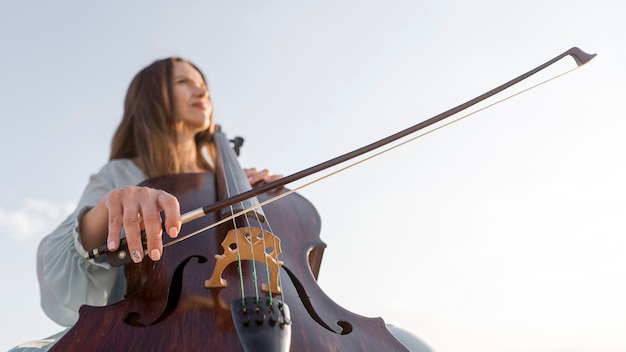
x=501 y=232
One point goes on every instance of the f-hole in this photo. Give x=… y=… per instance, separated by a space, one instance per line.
x=173 y=297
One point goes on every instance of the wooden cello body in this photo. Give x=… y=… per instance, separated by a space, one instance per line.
x=174 y=310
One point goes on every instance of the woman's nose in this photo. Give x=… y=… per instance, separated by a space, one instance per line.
x=201 y=91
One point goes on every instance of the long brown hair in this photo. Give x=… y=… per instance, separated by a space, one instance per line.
x=147 y=130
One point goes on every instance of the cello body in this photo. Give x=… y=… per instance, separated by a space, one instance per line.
x=173 y=310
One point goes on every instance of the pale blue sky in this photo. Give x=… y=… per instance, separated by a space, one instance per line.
x=503 y=232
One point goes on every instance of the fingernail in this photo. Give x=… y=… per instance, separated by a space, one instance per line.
x=111 y=245
x=173 y=232
x=136 y=256
x=155 y=254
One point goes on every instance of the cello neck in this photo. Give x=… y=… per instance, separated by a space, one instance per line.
x=231 y=179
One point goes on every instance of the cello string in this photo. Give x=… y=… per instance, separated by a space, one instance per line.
x=358 y=162
x=265 y=256
x=254 y=275
x=267 y=271
x=239 y=269
x=236 y=231
x=252 y=259
x=265 y=259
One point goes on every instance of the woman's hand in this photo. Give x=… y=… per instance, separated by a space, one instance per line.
x=134 y=209
x=257 y=177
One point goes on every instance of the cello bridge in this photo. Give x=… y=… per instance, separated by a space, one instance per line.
x=248 y=243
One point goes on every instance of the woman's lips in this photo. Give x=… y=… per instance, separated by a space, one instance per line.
x=200 y=105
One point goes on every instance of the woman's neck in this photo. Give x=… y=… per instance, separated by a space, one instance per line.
x=190 y=161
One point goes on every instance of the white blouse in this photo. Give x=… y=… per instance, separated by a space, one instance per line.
x=66 y=279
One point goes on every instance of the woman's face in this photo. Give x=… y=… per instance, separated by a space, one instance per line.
x=191 y=98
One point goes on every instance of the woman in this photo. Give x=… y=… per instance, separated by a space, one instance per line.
x=167 y=118
x=165 y=128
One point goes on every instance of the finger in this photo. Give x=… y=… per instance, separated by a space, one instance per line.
x=133 y=232
x=271 y=178
x=115 y=221
x=171 y=208
x=250 y=171
x=258 y=176
x=152 y=225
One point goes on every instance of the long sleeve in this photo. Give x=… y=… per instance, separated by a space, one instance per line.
x=66 y=279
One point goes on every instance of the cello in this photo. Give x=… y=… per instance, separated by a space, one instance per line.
x=230 y=285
